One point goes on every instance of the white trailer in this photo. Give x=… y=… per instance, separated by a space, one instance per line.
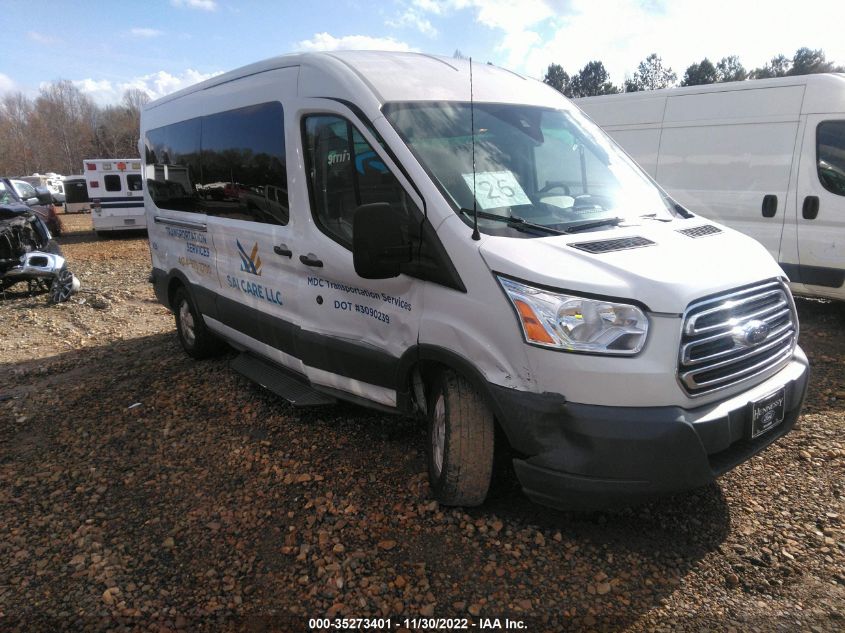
x=115 y=188
x=766 y=157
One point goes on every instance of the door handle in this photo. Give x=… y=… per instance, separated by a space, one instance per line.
x=311 y=260
x=283 y=250
x=770 y=205
x=810 y=209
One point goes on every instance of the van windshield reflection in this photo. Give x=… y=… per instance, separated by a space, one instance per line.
x=551 y=168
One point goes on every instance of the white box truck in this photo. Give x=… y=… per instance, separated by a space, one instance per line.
x=766 y=157
x=116 y=192
x=494 y=262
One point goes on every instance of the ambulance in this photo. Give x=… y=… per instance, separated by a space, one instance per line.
x=116 y=193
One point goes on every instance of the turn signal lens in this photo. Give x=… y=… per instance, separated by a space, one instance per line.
x=534 y=330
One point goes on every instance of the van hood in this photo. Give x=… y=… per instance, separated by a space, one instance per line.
x=653 y=263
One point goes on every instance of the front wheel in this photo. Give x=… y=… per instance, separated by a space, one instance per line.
x=460 y=442
x=194 y=336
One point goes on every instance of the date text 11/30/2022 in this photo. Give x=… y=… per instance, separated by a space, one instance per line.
x=439 y=624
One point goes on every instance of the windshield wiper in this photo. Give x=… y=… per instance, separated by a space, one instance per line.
x=653 y=216
x=513 y=220
x=585 y=226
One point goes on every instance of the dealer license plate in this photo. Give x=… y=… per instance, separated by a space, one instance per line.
x=767 y=413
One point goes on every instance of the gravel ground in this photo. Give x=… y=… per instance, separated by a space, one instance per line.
x=141 y=490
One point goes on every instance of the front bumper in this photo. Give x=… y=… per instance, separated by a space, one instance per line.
x=584 y=456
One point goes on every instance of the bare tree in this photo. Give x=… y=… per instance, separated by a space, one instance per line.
x=62 y=126
x=17 y=148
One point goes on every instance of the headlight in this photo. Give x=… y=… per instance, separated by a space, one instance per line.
x=577 y=324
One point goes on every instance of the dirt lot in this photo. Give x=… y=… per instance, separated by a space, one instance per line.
x=141 y=490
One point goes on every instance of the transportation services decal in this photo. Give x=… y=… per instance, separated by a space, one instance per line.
x=199 y=267
x=357 y=308
x=196 y=242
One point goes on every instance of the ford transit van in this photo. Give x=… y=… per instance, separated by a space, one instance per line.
x=425 y=236
x=766 y=157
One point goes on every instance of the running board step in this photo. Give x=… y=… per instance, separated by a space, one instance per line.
x=279 y=381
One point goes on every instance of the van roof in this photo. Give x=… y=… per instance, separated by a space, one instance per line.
x=387 y=76
x=824 y=92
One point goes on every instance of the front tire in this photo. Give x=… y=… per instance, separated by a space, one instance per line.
x=460 y=441
x=194 y=336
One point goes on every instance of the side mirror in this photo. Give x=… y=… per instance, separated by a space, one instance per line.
x=45 y=196
x=379 y=245
x=32 y=201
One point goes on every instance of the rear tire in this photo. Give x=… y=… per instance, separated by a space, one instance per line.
x=461 y=433
x=194 y=336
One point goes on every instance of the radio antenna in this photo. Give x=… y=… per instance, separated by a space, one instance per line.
x=475 y=235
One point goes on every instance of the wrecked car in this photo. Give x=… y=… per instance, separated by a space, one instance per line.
x=40 y=200
x=29 y=253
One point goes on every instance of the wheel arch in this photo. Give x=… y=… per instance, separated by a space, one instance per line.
x=428 y=359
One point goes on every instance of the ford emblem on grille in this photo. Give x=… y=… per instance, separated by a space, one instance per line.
x=751 y=333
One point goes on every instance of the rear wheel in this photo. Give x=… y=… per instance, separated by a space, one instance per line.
x=460 y=441
x=196 y=339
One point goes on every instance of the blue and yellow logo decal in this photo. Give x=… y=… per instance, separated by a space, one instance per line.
x=250 y=263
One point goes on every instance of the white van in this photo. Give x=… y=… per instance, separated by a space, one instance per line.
x=115 y=190
x=766 y=157
x=621 y=345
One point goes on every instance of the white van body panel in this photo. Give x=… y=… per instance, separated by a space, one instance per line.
x=501 y=359
x=719 y=149
x=122 y=208
x=667 y=289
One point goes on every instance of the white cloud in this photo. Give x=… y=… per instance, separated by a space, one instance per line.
x=518 y=20
x=203 y=5
x=430 y=6
x=412 y=18
x=621 y=33
x=683 y=32
x=155 y=84
x=6 y=84
x=510 y=15
x=140 y=31
x=328 y=42
x=41 y=38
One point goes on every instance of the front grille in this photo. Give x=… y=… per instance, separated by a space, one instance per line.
x=608 y=246
x=701 y=231
x=736 y=336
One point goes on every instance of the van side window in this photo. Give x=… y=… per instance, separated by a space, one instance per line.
x=230 y=164
x=244 y=171
x=133 y=182
x=173 y=166
x=830 y=155
x=345 y=172
x=112 y=182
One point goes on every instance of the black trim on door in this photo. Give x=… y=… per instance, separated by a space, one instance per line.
x=814 y=275
x=320 y=351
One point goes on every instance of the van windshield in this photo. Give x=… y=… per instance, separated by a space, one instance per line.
x=538 y=165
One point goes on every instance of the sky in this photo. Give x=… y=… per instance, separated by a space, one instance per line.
x=106 y=47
